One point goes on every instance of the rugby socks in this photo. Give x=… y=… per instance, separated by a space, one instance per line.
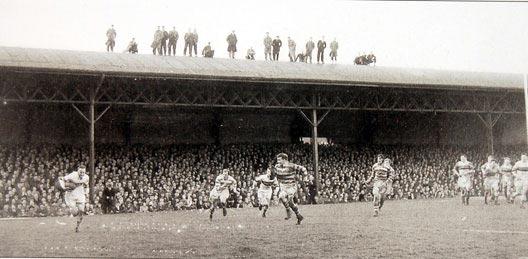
x=79 y=220
x=288 y=212
x=265 y=207
x=294 y=208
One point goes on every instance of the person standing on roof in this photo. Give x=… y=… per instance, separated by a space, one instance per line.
x=173 y=39
x=310 y=45
x=231 y=44
x=110 y=42
x=267 y=47
x=333 y=50
x=277 y=44
x=291 y=48
x=194 y=42
x=321 y=45
x=156 y=43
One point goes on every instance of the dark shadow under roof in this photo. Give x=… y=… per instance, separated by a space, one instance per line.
x=124 y=64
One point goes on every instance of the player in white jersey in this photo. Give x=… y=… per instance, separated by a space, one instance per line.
x=507 y=179
x=220 y=192
x=382 y=174
x=76 y=189
x=520 y=171
x=464 y=170
x=490 y=173
x=265 y=190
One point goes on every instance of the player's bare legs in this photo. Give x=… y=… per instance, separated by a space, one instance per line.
x=495 y=194
x=285 y=202
x=265 y=209
x=79 y=212
x=382 y=200
x=223 y=205
x=211 y=211
x=295 y=209
x=376 y=202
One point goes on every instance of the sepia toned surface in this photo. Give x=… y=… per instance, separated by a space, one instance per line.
x=439 y=228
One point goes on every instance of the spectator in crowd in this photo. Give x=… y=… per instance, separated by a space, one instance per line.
x=156 y=43
x=277 y=44
x=267 y=47
x=148 y=178
x=188 y=43
x=321 y=45
x=173 y=39
x=132 y=47
x=250 y=54
x=111 y=36
x=164 y=38
x=231 y=44
x=291 y=48
x=108 y=199
x=310 y=45
x=333 y=50
x=207 y=51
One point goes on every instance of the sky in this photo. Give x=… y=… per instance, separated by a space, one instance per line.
x=475 y=36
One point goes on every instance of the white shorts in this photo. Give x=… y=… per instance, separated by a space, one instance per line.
x=521 y=187
x=264 y=196
x=379 y=188
x=73 y=200
x=464 y=183
x=222 y=195
x=491 y=183
x=287 y=190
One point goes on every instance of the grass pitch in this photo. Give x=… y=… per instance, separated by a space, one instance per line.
x=420 y=228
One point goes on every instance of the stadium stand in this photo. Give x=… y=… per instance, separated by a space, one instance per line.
x=160 y=178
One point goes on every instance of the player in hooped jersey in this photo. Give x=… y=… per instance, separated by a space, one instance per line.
x=287 y=175
x=75 y=186
x=491 y=174
x=265 y=190
x=520 y=171
x=220 y=192
x=464 y=170
x=507 y=179
x=382 y=174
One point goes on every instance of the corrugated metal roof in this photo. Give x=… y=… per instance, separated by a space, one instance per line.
x=186 y=67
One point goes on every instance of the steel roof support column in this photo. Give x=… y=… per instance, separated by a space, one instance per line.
x=92 y=142
x=526 y=103
x=314 y=122
x=91 y=119
x=489 y=122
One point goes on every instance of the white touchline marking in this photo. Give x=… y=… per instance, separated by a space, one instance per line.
x=8 y=219
x=496 y=231
x=60 y=223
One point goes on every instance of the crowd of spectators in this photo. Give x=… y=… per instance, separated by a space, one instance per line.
x=153 y=178
x=167 y=40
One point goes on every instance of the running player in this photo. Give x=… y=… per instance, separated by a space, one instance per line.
x=520 y=171
x=464 y=170
x=490 y=173
x=507 y=179
x=388 y=164
x=76 y=189
x=382 y=174
x=265 y=190
x=220 y=192
x=286 y=173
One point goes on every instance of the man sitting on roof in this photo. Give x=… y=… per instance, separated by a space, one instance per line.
x=207 y=51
